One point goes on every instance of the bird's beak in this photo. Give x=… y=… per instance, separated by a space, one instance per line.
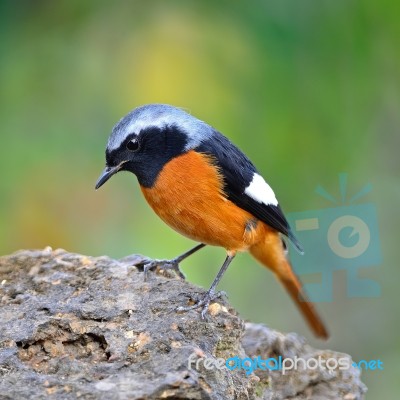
x=107 y=174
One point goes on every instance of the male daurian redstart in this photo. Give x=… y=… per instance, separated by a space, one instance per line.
x=205 y=188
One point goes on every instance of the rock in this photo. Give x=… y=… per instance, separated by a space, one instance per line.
x=74 y=326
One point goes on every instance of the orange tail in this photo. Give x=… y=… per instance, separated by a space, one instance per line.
x=271 y=254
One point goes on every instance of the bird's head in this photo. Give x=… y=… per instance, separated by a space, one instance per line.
x=147 y=138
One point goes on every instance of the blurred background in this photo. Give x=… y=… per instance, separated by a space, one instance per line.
x=307 y=90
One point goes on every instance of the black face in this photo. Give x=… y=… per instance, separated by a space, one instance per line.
x=146 y=153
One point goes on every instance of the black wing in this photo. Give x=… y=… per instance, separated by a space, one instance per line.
x=238 y=172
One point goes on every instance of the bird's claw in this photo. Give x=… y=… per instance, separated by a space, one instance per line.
x=203 y=303
x=162 y=264
x=148 y=264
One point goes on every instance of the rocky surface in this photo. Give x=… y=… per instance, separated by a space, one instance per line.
x=74 y=326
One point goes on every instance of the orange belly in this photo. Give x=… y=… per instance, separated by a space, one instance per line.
x=188 y=196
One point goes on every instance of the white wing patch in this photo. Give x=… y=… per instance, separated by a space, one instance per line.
x=260 y=191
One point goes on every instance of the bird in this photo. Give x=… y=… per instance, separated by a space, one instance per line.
x=204 y=187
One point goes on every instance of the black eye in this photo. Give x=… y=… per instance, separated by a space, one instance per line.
x=133 y=145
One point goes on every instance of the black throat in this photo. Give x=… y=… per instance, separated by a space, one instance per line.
x=158 y=147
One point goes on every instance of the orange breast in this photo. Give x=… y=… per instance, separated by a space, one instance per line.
x=188 y=196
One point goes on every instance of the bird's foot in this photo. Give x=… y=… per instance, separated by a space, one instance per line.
x=148 y=264
x=163 y=265
x=203 y=302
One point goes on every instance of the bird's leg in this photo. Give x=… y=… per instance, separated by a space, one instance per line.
x=210 y=295
x=149 y=264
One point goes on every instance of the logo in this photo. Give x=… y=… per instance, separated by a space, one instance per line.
x=340 y=238
x=249 y=365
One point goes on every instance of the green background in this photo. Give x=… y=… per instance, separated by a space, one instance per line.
x=307 y=89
